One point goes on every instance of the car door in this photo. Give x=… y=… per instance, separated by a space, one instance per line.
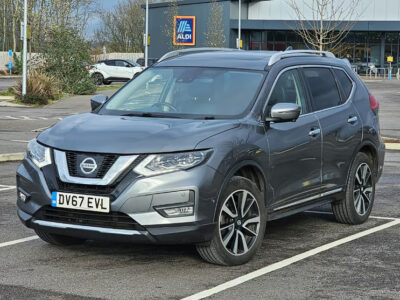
x=294 y=147
x=331 y=91
x=123 y=70
x=108 y=68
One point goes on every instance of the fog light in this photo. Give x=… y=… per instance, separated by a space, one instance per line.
x=22 y=196
x=178 y=211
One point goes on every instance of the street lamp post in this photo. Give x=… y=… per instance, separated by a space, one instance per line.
x=146 y=40
x=25 y=48
x=239 y=26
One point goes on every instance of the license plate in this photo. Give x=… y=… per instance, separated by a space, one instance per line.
x=83 y=202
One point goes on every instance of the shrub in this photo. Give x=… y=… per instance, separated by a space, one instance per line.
x=17 y=67
x=64 y=56
x=40 y=88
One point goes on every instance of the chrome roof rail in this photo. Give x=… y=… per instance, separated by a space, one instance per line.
x=181 y=52
x=293 y=53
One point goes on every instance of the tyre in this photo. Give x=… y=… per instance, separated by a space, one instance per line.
x=56 y=239
x=356 y=207
x=105 y=82
x=241 y=221
x=98 y=78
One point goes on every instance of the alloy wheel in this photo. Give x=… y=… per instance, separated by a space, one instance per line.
x=239 y=222
x=362 y=192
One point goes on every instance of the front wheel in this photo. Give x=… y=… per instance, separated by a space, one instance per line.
x=240 y=225
x=98 y=78
x=356 y=207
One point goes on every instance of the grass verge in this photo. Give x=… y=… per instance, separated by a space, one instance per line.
x=109 y=87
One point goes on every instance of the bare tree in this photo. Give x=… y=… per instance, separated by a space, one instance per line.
x=122 y=28
x=43 y=15
x=330 y=22
x=215 y=35
x=170 y=13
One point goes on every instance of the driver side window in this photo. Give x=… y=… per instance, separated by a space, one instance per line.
x=288 y=89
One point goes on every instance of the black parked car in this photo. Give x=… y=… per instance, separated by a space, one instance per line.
x=150 y=61
x=205 y=148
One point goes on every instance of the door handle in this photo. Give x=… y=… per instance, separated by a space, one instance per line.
x=352 y=120
x=314 y=132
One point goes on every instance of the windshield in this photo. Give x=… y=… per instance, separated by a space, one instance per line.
x=187 y=91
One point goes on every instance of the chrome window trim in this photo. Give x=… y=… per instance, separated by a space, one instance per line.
x=84 y=227
x=309 y=199
x=312 y=66
x=117 y=168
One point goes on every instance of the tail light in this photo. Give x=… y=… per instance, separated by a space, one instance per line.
x=374 y=104
x=87 y=67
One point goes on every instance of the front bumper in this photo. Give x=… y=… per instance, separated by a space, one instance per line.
x=135 y=200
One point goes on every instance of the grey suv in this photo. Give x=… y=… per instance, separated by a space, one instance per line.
x=204 y=147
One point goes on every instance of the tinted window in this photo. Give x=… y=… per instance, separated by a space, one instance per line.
x=323 y=88
x=288 y=89
x=109 y=62
x=345 y=83
x=121 y=63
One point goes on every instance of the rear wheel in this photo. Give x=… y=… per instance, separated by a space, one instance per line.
x=241 y=225
x=98 y=78
x=56 y=239
x=356 y=207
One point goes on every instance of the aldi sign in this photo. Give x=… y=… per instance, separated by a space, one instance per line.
x=184 y=30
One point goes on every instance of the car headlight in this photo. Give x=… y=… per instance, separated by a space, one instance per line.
x=38 y=154
x=170 y=162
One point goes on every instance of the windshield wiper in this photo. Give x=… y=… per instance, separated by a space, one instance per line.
x=148 y=115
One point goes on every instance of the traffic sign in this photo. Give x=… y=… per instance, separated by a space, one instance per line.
x=390 y=59
x=9 y=65
x=10 y=52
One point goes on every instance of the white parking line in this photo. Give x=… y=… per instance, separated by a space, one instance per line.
x=27 y=239
x=6 y=187
x=330 y=213
x=40 y=129
x=19 y=141
x=288 y=261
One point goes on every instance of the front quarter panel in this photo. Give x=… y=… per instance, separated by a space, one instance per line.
x=236 y=148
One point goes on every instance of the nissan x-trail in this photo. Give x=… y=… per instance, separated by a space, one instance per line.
x=205 y=147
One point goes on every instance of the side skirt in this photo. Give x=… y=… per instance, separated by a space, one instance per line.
x=306 y=204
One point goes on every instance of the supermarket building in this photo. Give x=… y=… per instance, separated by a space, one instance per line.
x=267 y=25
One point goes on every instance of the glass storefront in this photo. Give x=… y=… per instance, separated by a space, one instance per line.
x=363 y=49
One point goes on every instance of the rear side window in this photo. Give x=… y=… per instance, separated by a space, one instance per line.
x=109 y=62
x=345 y=83
x=323 y=88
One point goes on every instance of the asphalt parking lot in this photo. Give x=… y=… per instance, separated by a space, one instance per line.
x=305 y=256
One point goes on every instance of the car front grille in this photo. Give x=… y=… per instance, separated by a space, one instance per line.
x=105 y=162
x=114 y=220
x=98 y=190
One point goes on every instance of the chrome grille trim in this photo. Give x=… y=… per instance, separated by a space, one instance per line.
x=117 y=168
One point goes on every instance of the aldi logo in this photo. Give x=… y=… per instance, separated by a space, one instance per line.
x=184 y=30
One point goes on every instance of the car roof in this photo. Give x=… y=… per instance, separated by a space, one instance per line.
x=243 y=59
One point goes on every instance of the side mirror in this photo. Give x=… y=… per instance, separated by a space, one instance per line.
x=97 y=101
x=284 y=112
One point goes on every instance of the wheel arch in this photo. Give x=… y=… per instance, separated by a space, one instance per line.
x=370 y=149
x=249 y=169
